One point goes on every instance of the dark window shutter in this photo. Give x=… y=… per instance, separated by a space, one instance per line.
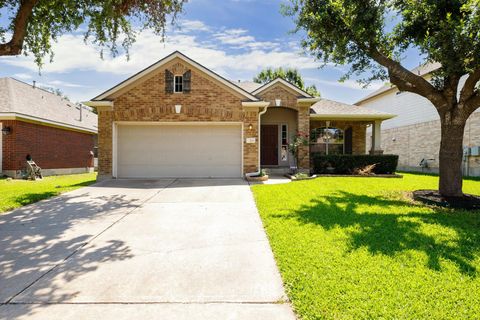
x=349 y=141
x=168 y=82
x=187 y=80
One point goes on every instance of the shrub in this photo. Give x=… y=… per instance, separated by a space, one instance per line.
x=348 y=164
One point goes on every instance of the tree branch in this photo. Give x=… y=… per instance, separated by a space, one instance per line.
x=468 y=89
x=406 y=80
x=20 y=23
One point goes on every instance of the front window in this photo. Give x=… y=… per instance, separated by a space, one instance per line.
x=178 y=84
x=327 y=140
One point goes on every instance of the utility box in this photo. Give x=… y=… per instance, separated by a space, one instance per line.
x=475 y=151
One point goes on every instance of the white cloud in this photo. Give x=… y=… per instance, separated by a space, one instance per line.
x=22 y=76
x=192 y=26
x=60 y=83
x=349 y=84
x=72 y=54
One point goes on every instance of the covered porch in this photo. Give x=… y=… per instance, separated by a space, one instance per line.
x=338 y=128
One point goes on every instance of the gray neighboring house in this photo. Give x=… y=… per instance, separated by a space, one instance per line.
x=58 y=134
x=415 y=133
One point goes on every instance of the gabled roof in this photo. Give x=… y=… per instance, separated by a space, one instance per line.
x=160 y=63
x=334 y=110
x=284 y=82
x=421 y=70
x=21 y=100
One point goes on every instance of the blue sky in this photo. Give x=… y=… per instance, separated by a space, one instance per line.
x=235 y=38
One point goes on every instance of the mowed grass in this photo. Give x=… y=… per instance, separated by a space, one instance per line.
x=17 y=193
x=359 y=248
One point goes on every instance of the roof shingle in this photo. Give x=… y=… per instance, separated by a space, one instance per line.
x=22 y=99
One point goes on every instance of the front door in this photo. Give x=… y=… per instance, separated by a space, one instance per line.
x=269 y=145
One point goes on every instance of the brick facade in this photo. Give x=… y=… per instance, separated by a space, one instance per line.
x=147 y=101
x=359 y=129
x=50 y=147
x=422 y=141
x=289 y=100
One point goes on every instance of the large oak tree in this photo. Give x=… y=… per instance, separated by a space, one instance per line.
x=31 y=25
x=372 y=35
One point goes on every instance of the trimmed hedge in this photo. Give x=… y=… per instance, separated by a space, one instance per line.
x=346 y=164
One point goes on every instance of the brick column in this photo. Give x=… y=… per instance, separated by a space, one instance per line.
x=105 y=120
x=250 y=150
x=304 y=126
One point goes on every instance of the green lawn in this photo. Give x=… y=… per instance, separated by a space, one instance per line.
x=17 y=193
x=358 y=248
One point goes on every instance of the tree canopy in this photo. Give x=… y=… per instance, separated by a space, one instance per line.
x=32 y=25
x=372 y=37
x=289 y=74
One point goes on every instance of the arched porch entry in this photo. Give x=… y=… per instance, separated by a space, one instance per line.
x=278 y=126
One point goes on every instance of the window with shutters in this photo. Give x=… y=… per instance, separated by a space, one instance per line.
x=178 y=84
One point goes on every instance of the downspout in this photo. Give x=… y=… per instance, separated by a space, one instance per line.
x=253 y=174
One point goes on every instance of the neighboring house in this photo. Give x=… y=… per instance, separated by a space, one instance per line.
x=177 y=118
x=55 y=132
x=415 y=133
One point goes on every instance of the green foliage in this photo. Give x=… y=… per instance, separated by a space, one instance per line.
x=354 y=32
x=358 y=248
x=289 y=74
x=298 y=139
x=346 y=164
x=105 y=22
x=17 y=193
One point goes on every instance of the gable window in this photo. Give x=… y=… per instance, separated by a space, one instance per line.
x=178 y=84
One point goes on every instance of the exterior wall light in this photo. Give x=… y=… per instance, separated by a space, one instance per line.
x=178 y=108
x=278 y=102
x=250 y=127
x=6 y=131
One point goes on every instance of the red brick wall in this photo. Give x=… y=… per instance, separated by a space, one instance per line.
x=50 y=148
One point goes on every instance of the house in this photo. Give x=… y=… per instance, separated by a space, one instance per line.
x=415 y=133
x=56 y=133
x=177 y=118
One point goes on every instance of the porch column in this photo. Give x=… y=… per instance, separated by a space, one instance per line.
x=377 y=138
x=303 y=125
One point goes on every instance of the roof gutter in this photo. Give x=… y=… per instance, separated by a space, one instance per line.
x=99 y=104
x=256 y=173
x=27 y=118
x=352 y=117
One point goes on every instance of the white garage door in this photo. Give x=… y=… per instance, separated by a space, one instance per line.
x=183 y=151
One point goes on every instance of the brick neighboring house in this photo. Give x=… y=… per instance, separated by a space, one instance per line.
x=55 y=132
x=177 y=118
x=415 y=133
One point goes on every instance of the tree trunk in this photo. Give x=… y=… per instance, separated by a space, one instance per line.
x=451 y=156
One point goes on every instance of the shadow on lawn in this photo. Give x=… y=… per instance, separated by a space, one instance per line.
x=402 y=228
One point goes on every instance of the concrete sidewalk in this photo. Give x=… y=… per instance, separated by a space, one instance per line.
x=133 y=249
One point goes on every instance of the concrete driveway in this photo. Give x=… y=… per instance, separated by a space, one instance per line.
x=136 y=249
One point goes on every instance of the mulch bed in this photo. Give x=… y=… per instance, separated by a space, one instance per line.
x=394 y=175
x=432 y=197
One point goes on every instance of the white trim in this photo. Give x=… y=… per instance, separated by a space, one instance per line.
x=172 y=123
x=308 y=100
x=358 y=117
x=175 y=85
x=164 y=61
x=286 y=83
x=177 y=123
x=19 y=116
x=95 y=104
x=114 y=149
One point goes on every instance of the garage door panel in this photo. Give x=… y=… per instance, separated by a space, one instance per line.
x=152 y=151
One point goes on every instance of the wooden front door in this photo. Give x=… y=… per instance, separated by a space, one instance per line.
x=269 y=145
